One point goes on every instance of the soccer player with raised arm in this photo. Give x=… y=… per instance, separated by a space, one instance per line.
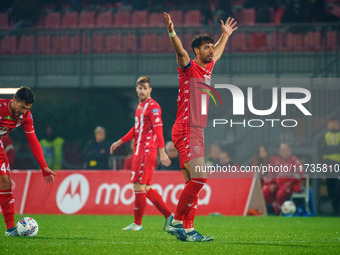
x=13 y=113
x=188 y=128
x=148 y=134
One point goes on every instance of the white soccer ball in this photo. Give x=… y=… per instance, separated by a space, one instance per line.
x=27 y=227
x=288 y=207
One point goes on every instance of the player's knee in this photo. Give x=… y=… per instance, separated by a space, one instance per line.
x=5 y=182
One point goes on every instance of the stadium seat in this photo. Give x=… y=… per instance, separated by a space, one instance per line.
x=193 y=18
x=86 y=44
x=258 y=41
x=87 y=19
x=294 y=42
x=187 y=39
x=164 y=44
x=26 y=44
x=239 y=42
x=74 y=44
x=114 y=43
x=148 y=43
x=70 y=20
x=156 y=20
x=279 y=15
x=130 y=43
x=248 y=16
x=139 y=19
x=4 y=21
x=331 y=40
x=44 y=44
x=53 y=20
x=99 y=43
x=122 y=19
x=177 y=17
x=105 y=19
x=313 y=41
x=9 y=45
x=336 y=11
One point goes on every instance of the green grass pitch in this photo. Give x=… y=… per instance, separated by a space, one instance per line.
x=80 y=234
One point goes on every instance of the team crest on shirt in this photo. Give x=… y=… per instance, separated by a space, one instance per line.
x=197 y=149
x=9 y=118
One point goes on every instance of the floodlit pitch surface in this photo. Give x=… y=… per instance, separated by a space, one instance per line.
x=80 y=234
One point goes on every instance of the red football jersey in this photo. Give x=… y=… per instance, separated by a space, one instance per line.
x=147 y=116
x=8 y=122
x=189 y=96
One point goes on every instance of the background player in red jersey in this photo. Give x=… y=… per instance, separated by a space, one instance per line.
x=187 y=131
x=13 y=113
x=279 y=187
x=148 y=133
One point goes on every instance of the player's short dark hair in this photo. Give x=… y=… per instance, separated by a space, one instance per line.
x=143 y=79
x=199 y=40
x=24 y=94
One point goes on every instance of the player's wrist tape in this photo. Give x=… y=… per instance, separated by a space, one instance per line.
x=172 y=34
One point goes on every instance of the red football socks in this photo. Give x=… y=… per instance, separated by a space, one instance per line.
x=188 y=197
x=158 y=202
x=7 y=205
x=189 y=218
x=140 y=204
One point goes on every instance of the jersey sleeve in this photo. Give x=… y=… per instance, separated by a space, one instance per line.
x=157 y=124
x=27 y=123
x=129 y=135
x=36 y=150
x=155 y=115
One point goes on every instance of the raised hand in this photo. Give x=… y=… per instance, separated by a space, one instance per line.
x=168 y=22
x=229 y=26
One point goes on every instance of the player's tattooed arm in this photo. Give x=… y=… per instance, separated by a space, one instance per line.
x=182 y=55
x=227 y=29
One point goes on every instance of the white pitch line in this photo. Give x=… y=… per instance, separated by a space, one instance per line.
x=24 y=195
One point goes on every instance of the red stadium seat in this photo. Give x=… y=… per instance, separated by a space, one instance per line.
x=239 y=42
x=4 y=21
x=9 y=45
x=313 y=41
x=114 y=43
x=258 y=41
x=44 y=44
x=26 y=44
x=164 y=44
x=74 y=44
x=99 y=43
x=70 y=20
x=122 y=19
x=331 y=40
x=248 y=16
x=130 y=43
x=139 y=19
x=53 y=20
x=294 y=42
x=187 y=39
x=87 y=19
x=105 y=19
x=279 y=15
x=193 y=18
x=156 y=19
x=148 y=43
x=177 y=17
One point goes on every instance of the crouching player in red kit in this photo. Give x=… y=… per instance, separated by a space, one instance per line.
x=13 y=113
x=187 y=132
x=148 y=133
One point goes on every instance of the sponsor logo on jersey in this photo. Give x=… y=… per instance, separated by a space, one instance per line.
x=155 y=110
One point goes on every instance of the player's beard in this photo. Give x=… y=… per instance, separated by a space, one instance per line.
x=208 y=59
